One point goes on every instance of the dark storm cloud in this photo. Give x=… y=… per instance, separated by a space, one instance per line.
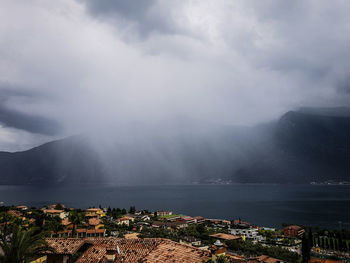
x=142 y=14
x=24 y=121
x=231 y=62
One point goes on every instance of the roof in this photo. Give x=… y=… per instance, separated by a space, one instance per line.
x=148 y=250
x=94 y=221
x=158 y=250
x=53 y=211
x=294 y=227
x=267 y=259
x=225 y=236
x=65 y=246
x=124 y=218
x=66 y=222
x=94 y=209
x=93 y=254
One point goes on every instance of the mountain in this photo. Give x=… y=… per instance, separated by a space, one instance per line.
x=303 y=146
x=306 y=145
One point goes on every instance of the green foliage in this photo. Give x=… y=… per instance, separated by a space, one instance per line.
x=250 y=249
x=76 y=218
x=59 y=207
x=132 y=210
x=22 y=245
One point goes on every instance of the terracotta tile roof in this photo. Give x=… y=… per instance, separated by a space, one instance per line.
x=94 y=221
x=65 y=246
x=267 y=259
x=14 y=213
x=109 y=243
x=225 y=236
x=93 y=254
x=66 y=222
x=294 y=227
x=158 y=250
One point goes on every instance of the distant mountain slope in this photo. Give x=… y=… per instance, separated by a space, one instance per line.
x=64 y=161
x=302 y=146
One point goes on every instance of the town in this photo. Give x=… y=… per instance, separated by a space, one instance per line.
x=58 y=234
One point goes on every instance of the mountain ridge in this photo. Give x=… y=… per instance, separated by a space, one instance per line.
x=300 y=147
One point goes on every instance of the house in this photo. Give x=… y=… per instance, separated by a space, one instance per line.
x=98 y=250
x=191 y=241
x=217 y=249
x=222 y=236
x=294 y=231
x=81 y=232
x=199 y=219
x=321 y=260
x=66 y=223
x=145 y=218
x=22 y=207
x=247 y=233
x=131 y=235
x=95 y=223
x=15 y=213
x=123 y=221
x=54 y=212
x=95 y=250
x=154 y=250
x=265 y=259
x=189 y=220
x=164 y=213
x=95 y=212
x=170 y=225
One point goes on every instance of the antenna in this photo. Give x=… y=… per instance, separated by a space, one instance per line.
x=118 y=250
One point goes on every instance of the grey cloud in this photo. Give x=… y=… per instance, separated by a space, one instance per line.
x=143 y=14
x=24 y=121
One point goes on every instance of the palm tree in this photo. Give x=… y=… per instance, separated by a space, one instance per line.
x=55 y=226
x=22 y=246
x=76 y=218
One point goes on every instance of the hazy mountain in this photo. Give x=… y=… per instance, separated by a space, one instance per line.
x=302 y=146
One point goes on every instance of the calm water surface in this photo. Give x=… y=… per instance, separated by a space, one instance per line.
x=265 y=205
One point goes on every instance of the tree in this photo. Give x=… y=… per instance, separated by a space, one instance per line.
x=22 y=246
x=59 y=207
x=76 y=219
x=305 y=249
x=132 y=210
x=55 y=226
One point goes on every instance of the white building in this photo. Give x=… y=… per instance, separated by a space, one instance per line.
x=249 y=233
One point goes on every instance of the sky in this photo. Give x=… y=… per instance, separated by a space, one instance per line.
x=71 y=66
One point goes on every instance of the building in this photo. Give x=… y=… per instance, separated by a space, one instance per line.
x=170 y=225
x=164 y=213
x=158 y=250
x=105 y=250
x=91 y=250
x=248 y=233
x=294 y=231
x=54 y=212
x=222 y=236
x=95 y=223
x=199 y=219
x=265 y=259
x=22 y=207
x=189 y=220
x=95 y=212
x=123 y=221
x=80 y=233
x=191 y=241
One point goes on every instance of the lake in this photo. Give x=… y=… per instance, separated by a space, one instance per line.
x=264 y=205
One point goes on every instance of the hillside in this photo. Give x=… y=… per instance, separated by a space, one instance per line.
x=302 y=146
